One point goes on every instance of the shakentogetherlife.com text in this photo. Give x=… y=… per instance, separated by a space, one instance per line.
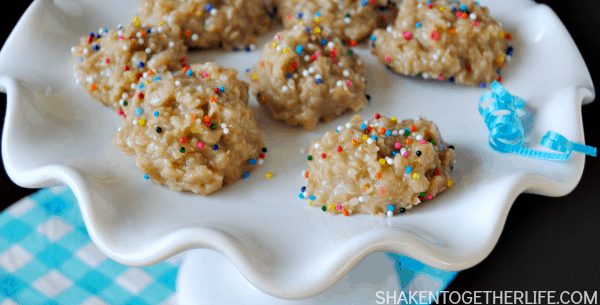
x=487 y=297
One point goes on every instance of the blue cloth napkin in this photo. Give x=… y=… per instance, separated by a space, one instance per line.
x=48 y=258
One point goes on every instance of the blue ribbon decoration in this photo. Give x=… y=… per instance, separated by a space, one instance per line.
x=506 y=129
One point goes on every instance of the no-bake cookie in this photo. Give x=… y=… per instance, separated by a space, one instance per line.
x=377 y=166
x=346 y=19
x=212 y=23
x=192 y=130
x=304 y=76
x=445 y=40
x=109 y=64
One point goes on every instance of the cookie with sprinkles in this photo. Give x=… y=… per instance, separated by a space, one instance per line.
x=231 y=24
x=192 y=130
x=446 y=40
x=109 y=64
x=344 y=19
x=304 y=76
x=380 y=166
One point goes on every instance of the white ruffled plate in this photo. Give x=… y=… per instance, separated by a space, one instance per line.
x=54 y=133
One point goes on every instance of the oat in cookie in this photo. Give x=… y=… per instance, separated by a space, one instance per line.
x=382 y=166
x=304 y=76
x=109 y=63
x=192 y=130
x=231 y=24
x=446 y=40
x=346 y=19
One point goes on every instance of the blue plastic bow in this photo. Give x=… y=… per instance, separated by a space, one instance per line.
x=506 y=129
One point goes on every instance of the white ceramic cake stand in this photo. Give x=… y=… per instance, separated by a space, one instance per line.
x=54 y=133
x=207 y=277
